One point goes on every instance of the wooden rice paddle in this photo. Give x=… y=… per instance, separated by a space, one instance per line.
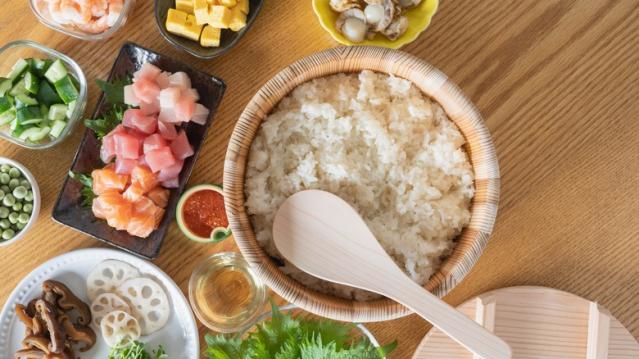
x=324 y=236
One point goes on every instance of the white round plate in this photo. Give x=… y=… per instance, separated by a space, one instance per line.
x=179 y=337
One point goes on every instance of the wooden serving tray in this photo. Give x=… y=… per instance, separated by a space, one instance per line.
x=539 y=322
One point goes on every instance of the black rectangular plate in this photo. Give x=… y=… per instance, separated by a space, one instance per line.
x=68 y=209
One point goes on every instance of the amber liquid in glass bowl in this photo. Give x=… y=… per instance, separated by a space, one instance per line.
x=224 y=293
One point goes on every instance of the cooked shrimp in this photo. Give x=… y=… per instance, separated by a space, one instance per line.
x=53 y=7
x=76 y=11
x=115 y=9
x=95 y=26
x=99 y=7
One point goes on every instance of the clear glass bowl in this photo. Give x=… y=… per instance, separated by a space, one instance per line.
x=39 y=8
x=10 y=53
x=218 y=322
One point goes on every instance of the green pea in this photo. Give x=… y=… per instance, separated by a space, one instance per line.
x=5 y=168
x=14 y=183
x=4 y=178
x=4 y=212
x=26 y=184
x=5 y=188
x=29 y=196
x=8 y=234
x=17 y=207
x=15 y=173
x=13 y=217
x=19 y=192
x=1 y=194
x=23 y=218
x=20 y=226
x=27 y=208
x=4 y=223
x=8 y=200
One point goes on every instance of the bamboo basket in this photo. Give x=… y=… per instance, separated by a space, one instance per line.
x=432 y=82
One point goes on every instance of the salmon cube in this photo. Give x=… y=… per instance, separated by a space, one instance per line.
x=160 y=159
x=159 y=196
x=107 y=179
x=133 y=193
x=143 y=176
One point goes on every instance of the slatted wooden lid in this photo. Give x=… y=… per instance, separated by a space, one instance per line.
x=433 y=83
x=539 y=322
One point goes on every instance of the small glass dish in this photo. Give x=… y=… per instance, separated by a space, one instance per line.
x=11 y=52
x=39 y=8
x=36 y=200
x=225 y=294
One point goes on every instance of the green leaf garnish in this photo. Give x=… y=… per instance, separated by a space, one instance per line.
x=87 y=187
x=114 y=90
x=286 y=337
x=101 y=126
x=136 y=350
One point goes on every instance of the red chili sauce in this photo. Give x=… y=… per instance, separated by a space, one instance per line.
x=203 y=211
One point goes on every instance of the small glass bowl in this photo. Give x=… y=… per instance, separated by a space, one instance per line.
x=218 y=262
x=11 y=52
x=40 y=10
x=36 y=200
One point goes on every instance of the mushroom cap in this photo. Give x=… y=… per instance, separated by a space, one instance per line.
x=48 y=314
x=67 y=301
x=343 y=5
x=38 y=342
x=29 y=353
x=78 y=334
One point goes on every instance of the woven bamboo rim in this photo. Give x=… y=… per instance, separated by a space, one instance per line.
x=432 y=82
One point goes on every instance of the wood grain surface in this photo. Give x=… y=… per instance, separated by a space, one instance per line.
x=556 y=80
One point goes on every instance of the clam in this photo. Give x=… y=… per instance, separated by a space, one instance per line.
x=409 y=3
x=380 y=15
x=397 y=28
x=352 y=23
x=343 y=5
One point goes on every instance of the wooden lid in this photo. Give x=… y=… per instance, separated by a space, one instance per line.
x=539 y=322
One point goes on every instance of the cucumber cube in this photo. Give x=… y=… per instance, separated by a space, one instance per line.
x=41 y=66
x=23 y=100
x=7 y=117
x=57 y=112
x=56 y=72
x=71 y=108
x=6 y=103
x=28 y=113
x=47 y=94
x=31 y=83
x=5 y=85
x=66 y=89
x=18 y=89
x=18 y=68
x=57 y=128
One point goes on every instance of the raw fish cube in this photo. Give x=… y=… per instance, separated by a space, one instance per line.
x=124 y=166
x=160 y=159
x=146 y=90
x=133 y=193
x=167 y=114
x=200 y=115
x=167 y=130
x=127 y=146
x=172 y=183
x=144 y=178
x=153 y=142
x=159 y=196
x=163 y=80
x=184 y=109
x=171 y=172
x=181 y=80
x=147 y=71
x=107 y=151
x=169 y=97
x=181 y=147
x=150 y=108
x=129 y=96
x=137 y=119
x=191 y=94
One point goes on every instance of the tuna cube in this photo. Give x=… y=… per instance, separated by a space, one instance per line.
x=160 y=159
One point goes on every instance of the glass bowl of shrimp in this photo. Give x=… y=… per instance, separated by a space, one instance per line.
x=91 y=20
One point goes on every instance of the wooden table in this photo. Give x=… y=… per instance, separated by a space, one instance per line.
x=556 y=80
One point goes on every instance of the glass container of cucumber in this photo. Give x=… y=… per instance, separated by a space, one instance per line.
x=43 y=94
x=19 y=201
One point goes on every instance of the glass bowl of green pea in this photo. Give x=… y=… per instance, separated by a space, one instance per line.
x=19 y=201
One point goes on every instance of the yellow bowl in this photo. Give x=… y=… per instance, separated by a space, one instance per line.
x=418 y=20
